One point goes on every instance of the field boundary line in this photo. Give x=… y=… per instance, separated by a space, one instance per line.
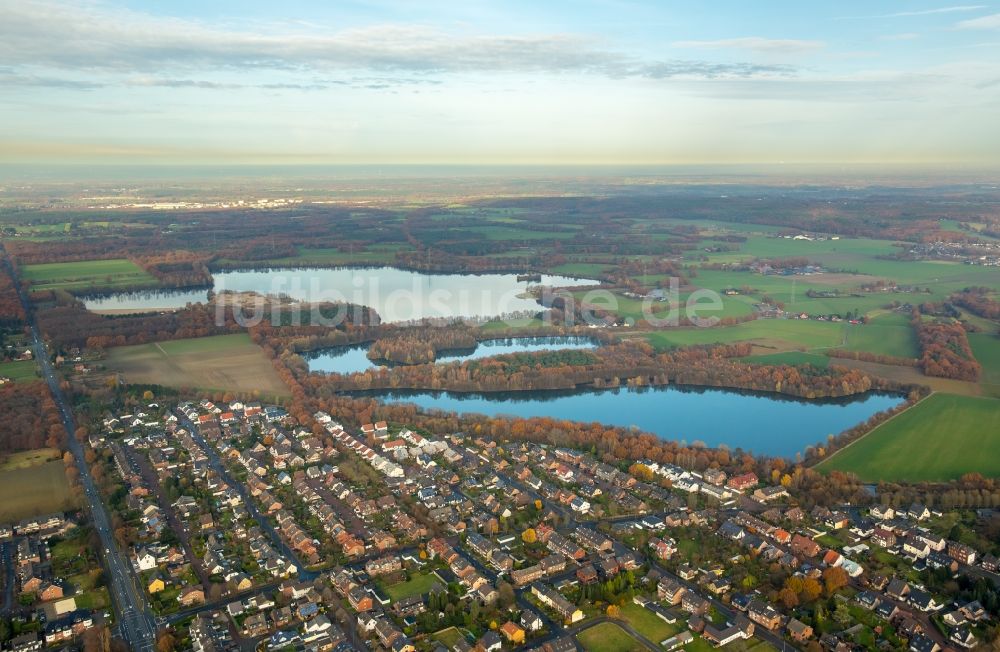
x=904 y=411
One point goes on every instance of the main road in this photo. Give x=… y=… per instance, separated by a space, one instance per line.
x=135 y=621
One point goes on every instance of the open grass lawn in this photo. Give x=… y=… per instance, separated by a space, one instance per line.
x=448 y=637
x=608 y=637
x=418 y=584
x=986 y=348
x=94 y=600
x=19 y=371
x=87 y=274
x=780 y=334
x=27 y=459
x=647 y=623
x=585 y=270
x=857 y=256
x=888 y=334
x=912 y=375
x=638 y=309
x=34 y=490
x=941 y=438
x=221 y=362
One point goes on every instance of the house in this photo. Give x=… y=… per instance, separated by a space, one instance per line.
x=923 y=600
x=765 y=494
x=191 y=595
x=156 y=585
x=762 y=613
x=50 y=592
x=916 y=547
x=922 y=643
x=919 y=512
x=804 y=546
x=963 y=637
x=742 y=482
x=587 y=574
x=547 y=595
x=962 y=553
x=490 y=642
x=531 y=621
x=883 y=512
x=512 y=632
x=898 y=589
x=883 y=537
x=359 y=599
x=740 y=629
x=799 y=631
x=693 y=603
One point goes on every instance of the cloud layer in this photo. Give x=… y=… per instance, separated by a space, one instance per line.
x=85 y=39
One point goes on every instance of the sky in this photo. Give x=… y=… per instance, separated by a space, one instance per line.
x=609 y=82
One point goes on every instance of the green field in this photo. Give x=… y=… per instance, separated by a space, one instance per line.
x=636 y=309
x=34 y=490
x=939 y=439
x=87 y=275
x=986 y=348
x=585 y=270
x=647 y=623
x=608 y=637
x=782 y=334
x=27 y=459
x=19 y=371
x=418 y=584
x=221 y=362
x=888 y=334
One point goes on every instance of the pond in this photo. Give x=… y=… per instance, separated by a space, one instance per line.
x=354 y=359
x=762 y=423
x=398 y=295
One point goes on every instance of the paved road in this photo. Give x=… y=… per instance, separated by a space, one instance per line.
x=135 y=620
x=6 y=553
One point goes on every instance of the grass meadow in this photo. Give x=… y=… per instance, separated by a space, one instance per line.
x=939 y=439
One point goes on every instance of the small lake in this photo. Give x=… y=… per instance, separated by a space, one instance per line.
x=354 y=359
x=398 y=295
x=765 y=424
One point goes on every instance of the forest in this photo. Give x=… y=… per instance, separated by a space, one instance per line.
x=29 y=417
x=977 y=300
x=11 y=310
x=629 y=363
x=944 y=349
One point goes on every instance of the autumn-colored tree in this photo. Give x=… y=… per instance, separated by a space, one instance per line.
x=788 y=597
x=165 y=641
x=834 y=579
x=614 y=611
x=811 y=589
x=529 y=535
x=641 y=472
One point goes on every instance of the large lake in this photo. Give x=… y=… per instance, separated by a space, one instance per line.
x=398 y=295
x=354 y=359
x=765 y=424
